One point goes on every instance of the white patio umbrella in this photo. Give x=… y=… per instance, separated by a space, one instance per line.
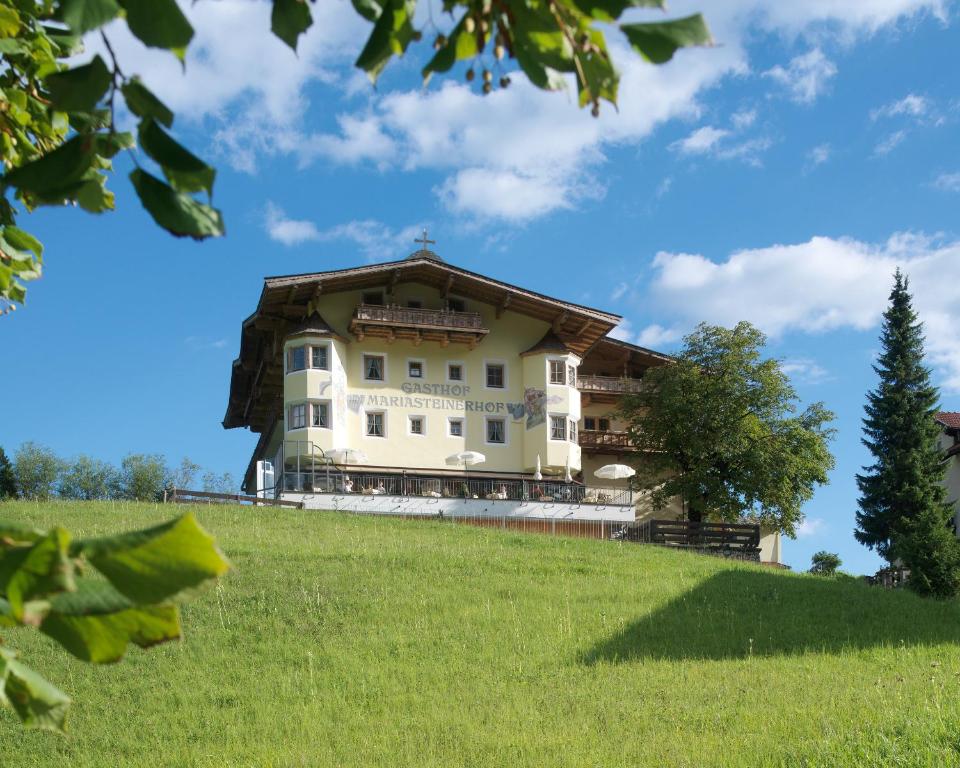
x=538 y=475
x=347 y=456
x=467 y=458
x=567 y=477
x=615 y=472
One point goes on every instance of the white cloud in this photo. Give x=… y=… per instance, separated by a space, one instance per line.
x=804 y=370
x=817 y=286
x=624 y=331
x=948 y=182
x=537 y=150
x=619 y=291
x=890 y=142
x=700 y=141
x=811 y=526
x=819 y=154
x=910 y=105
x=288 y=231
x=743 y=119
x=198 y=343
x=655 y=336
x=377 y=241
x=805 y=77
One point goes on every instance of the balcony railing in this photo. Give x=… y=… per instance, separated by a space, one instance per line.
x=608 y=384
x=596 y=440
x=430 y=318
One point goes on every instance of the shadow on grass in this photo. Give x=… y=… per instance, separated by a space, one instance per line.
x=739 y=613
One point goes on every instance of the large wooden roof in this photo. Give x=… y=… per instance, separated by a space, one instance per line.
x=256 y=385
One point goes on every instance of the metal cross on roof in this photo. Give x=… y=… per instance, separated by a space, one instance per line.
x=424 y=241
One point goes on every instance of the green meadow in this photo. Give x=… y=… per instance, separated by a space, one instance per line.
x=349 y=641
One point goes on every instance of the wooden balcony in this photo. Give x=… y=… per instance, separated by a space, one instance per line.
x=606 y=389
x=418 y=325
x=597 y=441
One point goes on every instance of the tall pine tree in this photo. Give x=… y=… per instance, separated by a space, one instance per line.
x=904 y=512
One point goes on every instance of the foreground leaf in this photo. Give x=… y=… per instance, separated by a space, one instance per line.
x=79 y=89
x=176 y=212
x=36 y=702
x=152 y=565
x=143 y=103
x=657 y=42
x=84 y=15
x=96 y=623
x=56 y=170
x=44 y=567
x=185 y=171
x=159 y=24
x=289 y=19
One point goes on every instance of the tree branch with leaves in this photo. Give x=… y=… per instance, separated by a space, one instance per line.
x=58 y=135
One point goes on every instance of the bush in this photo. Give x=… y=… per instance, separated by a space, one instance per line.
x=142 y=477
x=825 y=563
x=36 y=469
x=932 y=553
x=88 y=479
x=8 y=481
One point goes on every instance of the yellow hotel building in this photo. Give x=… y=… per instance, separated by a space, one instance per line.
x=364 y=384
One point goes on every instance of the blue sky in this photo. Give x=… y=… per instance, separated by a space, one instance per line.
x=779 y=177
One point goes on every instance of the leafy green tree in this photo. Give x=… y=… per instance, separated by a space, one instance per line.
x=57 y=130
x=219 y=483
x=904 y=513
x=36 y=469
x=142 y=477
x=825 y=563
x=720 y=427
x=88 y=479
x=184 y=475
x=8 y=481
x=46 y=583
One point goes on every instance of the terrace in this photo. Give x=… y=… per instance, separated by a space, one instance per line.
x=418 y=325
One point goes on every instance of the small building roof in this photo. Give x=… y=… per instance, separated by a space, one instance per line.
x=549 y=343
x=949 y=419
x=314 y=325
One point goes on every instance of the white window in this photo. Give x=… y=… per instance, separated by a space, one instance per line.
x=415 y=369
x=454 y=371
x=297 y=416
x=496 y=376
x=573 y=431
x=373 y=367
x=319 y=357
x=496 y=431
x=296 y=359
x=375 y=424
x=320 y=415
x=572 y=375
x=455 y=427
x=558 y=427
x=558 y=369
x=418 y=425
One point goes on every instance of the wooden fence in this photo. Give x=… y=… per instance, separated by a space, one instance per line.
x=696 y=535
x=179 y=495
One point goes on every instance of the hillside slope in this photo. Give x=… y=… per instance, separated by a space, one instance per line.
x=347 y=641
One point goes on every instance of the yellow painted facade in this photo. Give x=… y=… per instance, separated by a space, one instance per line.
x=433 y=397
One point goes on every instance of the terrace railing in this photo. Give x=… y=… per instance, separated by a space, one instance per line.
x=429 y=318
x=489 y=488
x=598 y=440
x=616 y=385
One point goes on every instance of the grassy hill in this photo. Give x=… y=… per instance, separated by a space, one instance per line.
x=345 y=641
